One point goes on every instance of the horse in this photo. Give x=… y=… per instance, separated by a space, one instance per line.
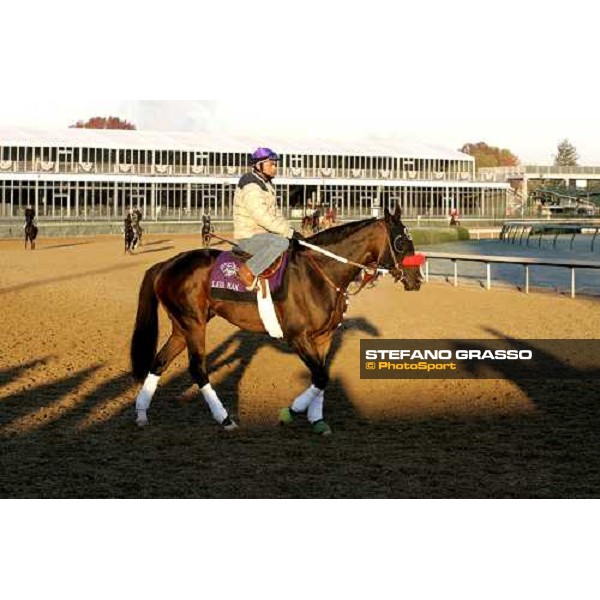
x=311 y=224
x=31 y=232
x=330 y=218
x=138 y=232
x=309 y=314
x=136 y=217
x=130 y=235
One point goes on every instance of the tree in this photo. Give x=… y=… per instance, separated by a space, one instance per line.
x=567 y=155
x=490 y=156
x=104 y=123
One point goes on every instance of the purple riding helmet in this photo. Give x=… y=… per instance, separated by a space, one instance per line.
x=261 y=154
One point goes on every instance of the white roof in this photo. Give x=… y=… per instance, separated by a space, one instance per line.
x=197 y=141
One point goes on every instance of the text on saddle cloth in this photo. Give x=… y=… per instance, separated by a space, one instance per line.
x=226 y=285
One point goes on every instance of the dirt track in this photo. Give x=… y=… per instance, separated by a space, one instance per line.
x=66 y=398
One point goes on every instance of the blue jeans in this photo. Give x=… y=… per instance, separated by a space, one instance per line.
x=265 y=249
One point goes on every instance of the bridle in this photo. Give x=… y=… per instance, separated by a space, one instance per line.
x=369 y=273
x=396 y=270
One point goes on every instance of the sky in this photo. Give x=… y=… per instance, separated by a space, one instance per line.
x=533 y=140
x=512 y=75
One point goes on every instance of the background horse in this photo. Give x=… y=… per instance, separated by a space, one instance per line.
x=311 y=224
x=138 y=232
x=31 y=232
x=136 y=217
x=317 y=221
x=330 y=218
x=311 y=311
x=129 y=235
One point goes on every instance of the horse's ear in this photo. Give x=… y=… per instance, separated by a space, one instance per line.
x=387 y=215
x=398 y=212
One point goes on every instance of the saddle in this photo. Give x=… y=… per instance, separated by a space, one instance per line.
x=232 y=280
x=251 y=281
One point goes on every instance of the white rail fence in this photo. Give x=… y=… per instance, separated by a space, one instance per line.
x=573 y=265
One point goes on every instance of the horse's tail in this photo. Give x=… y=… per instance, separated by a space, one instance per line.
x=145 y=334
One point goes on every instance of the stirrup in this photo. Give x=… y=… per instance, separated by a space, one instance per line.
x=253 y=287
x=246 y=277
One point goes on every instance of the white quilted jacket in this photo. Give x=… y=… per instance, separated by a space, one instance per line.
x=255 y=209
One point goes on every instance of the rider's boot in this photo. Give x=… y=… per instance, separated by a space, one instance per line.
x=247 y=277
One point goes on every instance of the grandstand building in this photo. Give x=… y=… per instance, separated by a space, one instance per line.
x=85 y=174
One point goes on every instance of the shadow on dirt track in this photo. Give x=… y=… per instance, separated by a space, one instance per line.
x=51 y=448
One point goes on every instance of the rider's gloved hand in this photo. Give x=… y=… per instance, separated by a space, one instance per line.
x=297 y=236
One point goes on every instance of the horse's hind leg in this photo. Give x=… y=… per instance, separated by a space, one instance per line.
x=196 y=343
x=174 y=345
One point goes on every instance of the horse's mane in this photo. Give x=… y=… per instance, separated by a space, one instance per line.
x=339 y=233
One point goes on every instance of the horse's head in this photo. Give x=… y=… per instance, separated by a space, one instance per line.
x=399 y=257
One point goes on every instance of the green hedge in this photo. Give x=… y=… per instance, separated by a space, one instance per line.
x=423 y=236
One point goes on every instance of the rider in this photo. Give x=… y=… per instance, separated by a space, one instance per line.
x=128 y=231
x=29 y=215
x=454 y=217
x=259 y=226
x=206 y=229
x=136 y=217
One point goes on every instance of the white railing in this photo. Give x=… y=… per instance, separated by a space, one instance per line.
x=515 y=260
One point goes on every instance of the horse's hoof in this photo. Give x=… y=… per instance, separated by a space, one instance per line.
x=286 y=416
x=229 y=424
x=141 y=418
x=321 y=428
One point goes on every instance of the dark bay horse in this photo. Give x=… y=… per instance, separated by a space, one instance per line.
x=313 y=308
x=31 y=232
x=129 y=235
x=132 y=231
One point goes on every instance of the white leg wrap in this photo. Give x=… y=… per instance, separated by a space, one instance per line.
x=315 y=410
x=304 y=400
x=216 y=408
x=145 y=396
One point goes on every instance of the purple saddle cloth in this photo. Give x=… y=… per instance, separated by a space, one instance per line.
x=225 y=284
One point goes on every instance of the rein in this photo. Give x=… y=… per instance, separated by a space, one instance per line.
x=376 y=270
x=214 y=235
x=370 y=273
x=324 y=275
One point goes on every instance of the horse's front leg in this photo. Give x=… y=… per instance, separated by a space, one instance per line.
x=311 y=401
